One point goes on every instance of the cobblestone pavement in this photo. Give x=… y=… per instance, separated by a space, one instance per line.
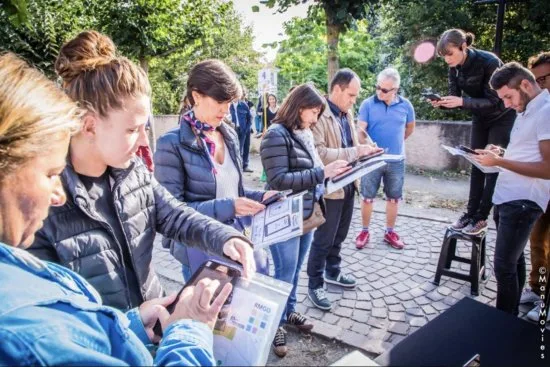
x=394 y=294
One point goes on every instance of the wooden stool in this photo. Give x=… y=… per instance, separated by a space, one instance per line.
x=448 y=254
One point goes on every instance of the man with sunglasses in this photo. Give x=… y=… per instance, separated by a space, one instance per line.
x=388 y=119
x=540 y=235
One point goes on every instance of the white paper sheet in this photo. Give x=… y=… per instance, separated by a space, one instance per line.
x=279 y=221
x=484 y=169
x=361 y=170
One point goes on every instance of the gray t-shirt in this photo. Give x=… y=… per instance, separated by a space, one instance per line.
x=102 y=203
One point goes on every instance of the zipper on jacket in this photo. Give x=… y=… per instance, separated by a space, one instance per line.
x=121 y=253
x=115 y=187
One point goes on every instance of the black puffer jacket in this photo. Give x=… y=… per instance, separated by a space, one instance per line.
x=288 y=165
x=78 y=239
x=185 y=170
x=472 y=79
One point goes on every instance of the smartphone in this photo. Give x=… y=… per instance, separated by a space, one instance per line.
x=473 y=362
x=467 y=149
x=210 y=269
x=431 y=96
x=276 y=197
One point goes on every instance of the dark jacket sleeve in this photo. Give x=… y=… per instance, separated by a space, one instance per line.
x=275 y=159
x=490 y=98
x=42 y=246
x=170 y=173
x=254 y=195
x=179 y=222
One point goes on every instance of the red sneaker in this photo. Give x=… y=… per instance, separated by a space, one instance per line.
x=392 y=238
x=362 y=239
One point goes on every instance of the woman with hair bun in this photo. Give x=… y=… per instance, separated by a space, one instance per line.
x=51 y=316
x=469 y=72
x=115 y=207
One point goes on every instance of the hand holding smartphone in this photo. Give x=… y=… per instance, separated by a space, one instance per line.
x=431 y=95
x=278 y=196
x=467 y=149
x=212 y=270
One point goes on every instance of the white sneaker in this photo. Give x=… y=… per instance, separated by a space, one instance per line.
x=528 y=296
x=534 y=314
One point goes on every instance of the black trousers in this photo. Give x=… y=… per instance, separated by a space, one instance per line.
x=482 y=186
x=515 y=220
x=324 y=254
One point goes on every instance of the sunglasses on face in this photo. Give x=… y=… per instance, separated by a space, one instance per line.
x=540 y=80
x=384 y=90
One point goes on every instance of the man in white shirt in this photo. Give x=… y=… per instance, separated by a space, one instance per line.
x=522 y=190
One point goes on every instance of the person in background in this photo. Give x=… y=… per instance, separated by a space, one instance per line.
x=469 y=72
x=539 y=65
x=523 y=188
x=258 y=119
x=388 y=119
x=335 y=139
x=242 y=119
x=270 y=111
x=291 y=162
x=115 y=207
x=199 y=162
x=144 y=151
x=50 y=315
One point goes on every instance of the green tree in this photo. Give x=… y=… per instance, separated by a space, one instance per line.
x=46 y=25
x=144 y=29
x=300 y=57
x=404 y=23
x=340 y=15
x=228 y=41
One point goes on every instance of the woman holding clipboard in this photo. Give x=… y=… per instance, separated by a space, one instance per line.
x=291 y=162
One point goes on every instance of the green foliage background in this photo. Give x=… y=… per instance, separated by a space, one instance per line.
x=388 y=35
x=168 y=36
x=165 y=36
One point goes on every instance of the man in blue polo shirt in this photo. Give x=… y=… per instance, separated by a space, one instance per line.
x=388 y=119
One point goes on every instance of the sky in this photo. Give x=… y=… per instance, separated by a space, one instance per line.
x=267 y=26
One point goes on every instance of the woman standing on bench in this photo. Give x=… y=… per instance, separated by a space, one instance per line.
x=469 y=72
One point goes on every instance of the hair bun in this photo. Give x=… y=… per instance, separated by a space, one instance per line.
x=85 y=52
x=469 y=38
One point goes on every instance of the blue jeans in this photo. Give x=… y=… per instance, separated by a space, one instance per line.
x=259 y=123
x=514 y=221
x=393 y=175
x=288 y=257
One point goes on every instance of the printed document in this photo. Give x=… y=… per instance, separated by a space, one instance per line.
x=279 y=221
x=245 y=329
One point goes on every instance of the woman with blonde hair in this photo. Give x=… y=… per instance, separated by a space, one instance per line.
x=115 y=207
x=50 y=315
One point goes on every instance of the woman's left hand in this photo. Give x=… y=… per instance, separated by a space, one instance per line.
x=269 y=194
x=241 y=252
x=451 y=102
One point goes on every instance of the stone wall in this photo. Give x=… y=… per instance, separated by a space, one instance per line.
x=423 y=148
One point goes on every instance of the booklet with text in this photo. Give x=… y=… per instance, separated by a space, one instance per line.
x=279 y=221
